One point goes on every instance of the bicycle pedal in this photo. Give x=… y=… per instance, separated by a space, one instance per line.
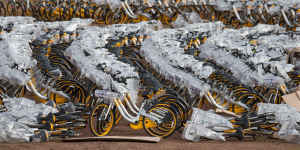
x=40 y=136
x=137 y=126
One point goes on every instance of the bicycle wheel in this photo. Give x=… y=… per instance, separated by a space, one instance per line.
x=20 y=11
x=99 y=125
x=114 y=18
x=14 y=9
x=2 y=91
x=178 y=114
x=54 y=14
x=118 y=116
x=2 y=9
x=179 y=106
x=10 y=8
x=42 y=13
x=74 y=89
x=164 y=129
x=31 y=11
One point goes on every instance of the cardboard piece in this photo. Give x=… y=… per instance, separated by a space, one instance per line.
x=293 y=99
x=145 y=139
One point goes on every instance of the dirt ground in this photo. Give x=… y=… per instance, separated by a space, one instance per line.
x=174 y=142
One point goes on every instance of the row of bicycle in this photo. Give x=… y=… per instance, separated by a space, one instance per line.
x=117 y=12
x=166 y=105
x=56 y=79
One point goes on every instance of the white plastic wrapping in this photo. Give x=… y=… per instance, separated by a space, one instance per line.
x=283 y=112
x=152 y=54
x=221 y=5
x=205 y=124
x=209 y=119
x=287 y=116
x=290 y=131
x=257 y=46
x=194 y=132
x=21 y=111
x=16 y=20
x=163 y=50
x=91 y=41
x=99 y=65
x=192 y=17
x=15 y=51
x=25 y=110
x=169 y=45
x=15 y=48
x=12 y=131
x=228 y=4
x=69 y=26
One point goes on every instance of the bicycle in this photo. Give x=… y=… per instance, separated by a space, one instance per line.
x=157 y=119
x=13 y=8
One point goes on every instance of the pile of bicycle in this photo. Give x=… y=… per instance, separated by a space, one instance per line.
x=234 y=14
x=140 y=70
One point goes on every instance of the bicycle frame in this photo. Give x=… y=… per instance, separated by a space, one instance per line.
x=30 y=86
x=115 y=100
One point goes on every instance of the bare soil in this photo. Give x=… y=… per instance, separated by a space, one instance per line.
x=175 y=142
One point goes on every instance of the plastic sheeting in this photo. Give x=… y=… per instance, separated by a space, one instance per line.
x=15 y=49
x=205 y=124
x=12 y=131
x=223 y=5
x=254 y=55
x=20 y=112
x=100 y=65
x=250 y=52
x=14 y=45
x=288 y=117
x=219 y=48
x=168 y=43
x=152 y=54
x=191 y=18
x=194 y=132
x=164 y=52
